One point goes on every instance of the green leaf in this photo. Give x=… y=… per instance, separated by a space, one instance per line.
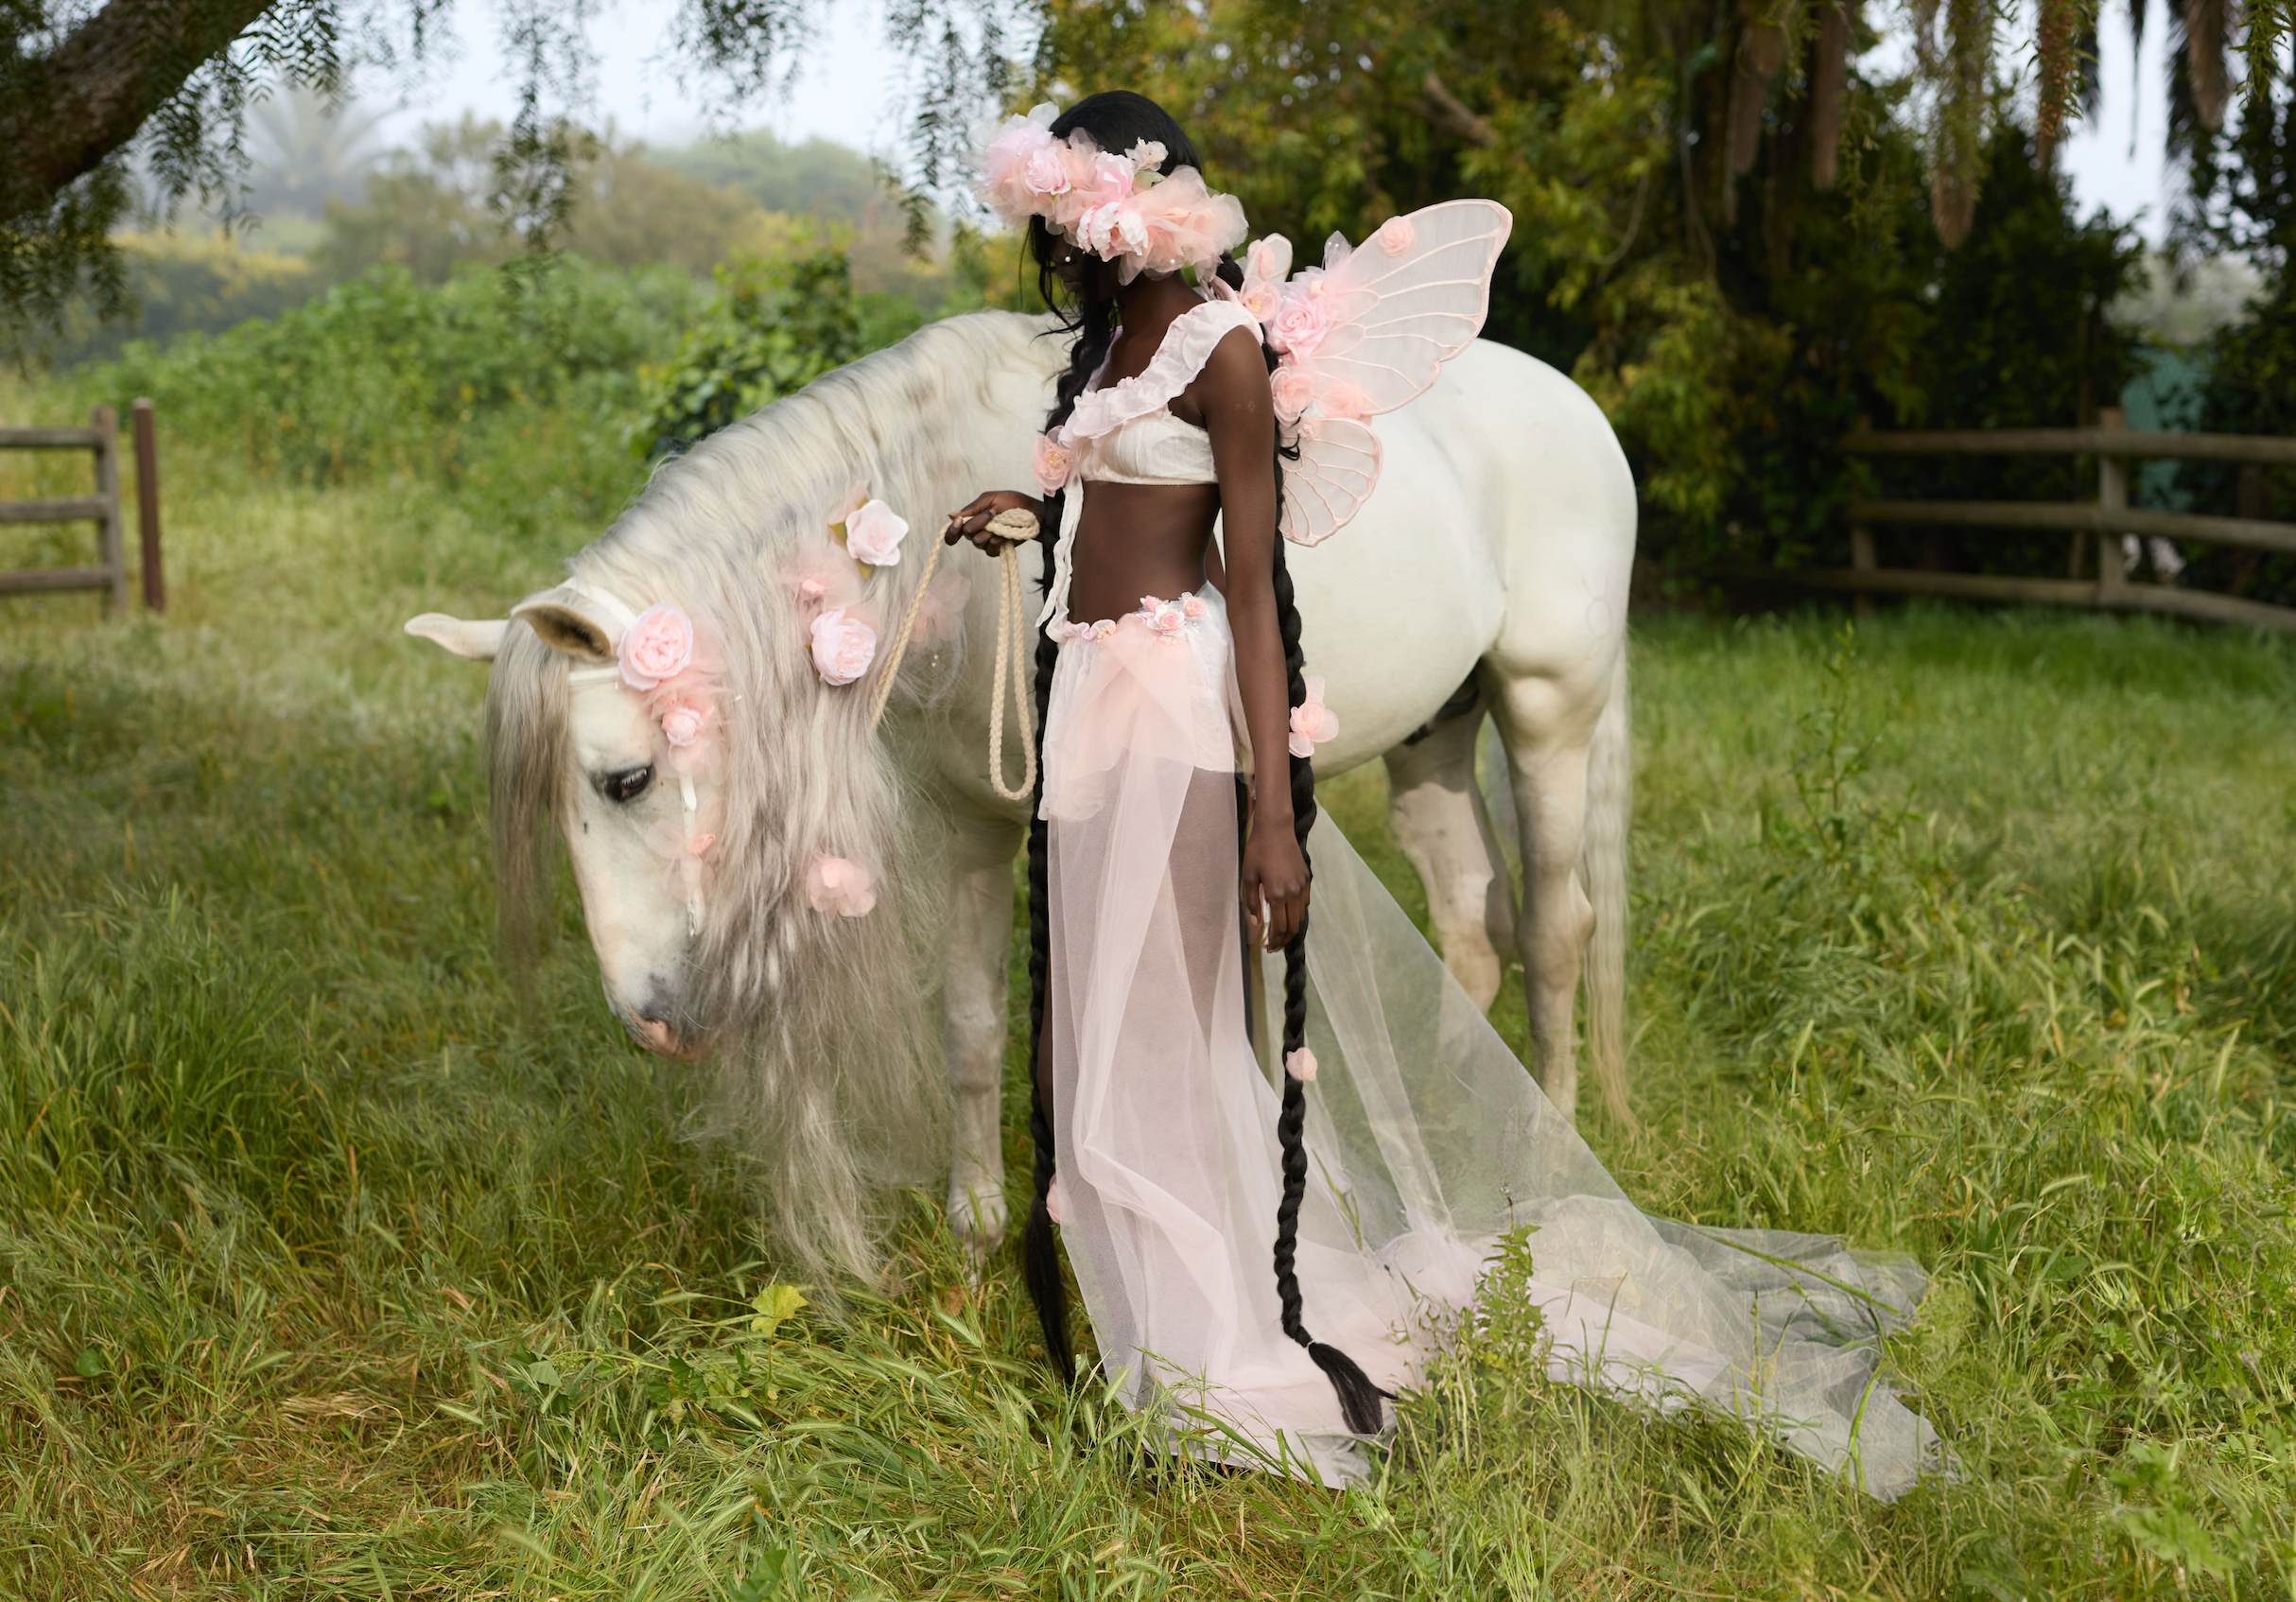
x=774 y=1305
x=89 y=1364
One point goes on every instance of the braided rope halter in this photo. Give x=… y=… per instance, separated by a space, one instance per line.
x=1012 y=654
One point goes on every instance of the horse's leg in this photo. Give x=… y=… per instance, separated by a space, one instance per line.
x=1443 y=828
x=1548 y=729
x=973 y=1013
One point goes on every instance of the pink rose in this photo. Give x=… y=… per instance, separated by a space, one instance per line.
x=1311 y=721
x=811 y=590
x=1269 y=260
x=873 y=534
x=832 y=884
x=1260 y=297
x=682 y=723
x=1044 y=172
x=1195 y=607
x=659 y=646
x=1300 y=1065
x=1112 y=229
x=1053 y=461
x=1397 y=235
x=1301 y=323
x=1339 y=398
x=1099 y=178
x=843 y=647
x=1292 y=387
x=1162 y=615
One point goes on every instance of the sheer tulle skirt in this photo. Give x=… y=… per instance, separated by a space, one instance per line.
x=1427 y=1140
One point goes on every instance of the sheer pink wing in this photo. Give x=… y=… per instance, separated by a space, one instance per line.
x=1338 y=464
x=1414 y=296
x=1410 y=310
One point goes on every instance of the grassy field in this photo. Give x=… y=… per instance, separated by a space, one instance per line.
x=323 y=1273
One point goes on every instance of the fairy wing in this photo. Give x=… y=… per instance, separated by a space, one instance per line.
x=1338 y=463
x=1411 y=298
x=1415 y=293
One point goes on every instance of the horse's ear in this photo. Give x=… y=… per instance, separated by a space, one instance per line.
x=478 y=640
x=564 y=624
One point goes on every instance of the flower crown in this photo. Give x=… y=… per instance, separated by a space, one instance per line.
x=1122 y=208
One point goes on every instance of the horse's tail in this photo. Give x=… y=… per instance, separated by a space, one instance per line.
x=1610 y=806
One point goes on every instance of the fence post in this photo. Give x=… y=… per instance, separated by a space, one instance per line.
x=106 y=423
x=2112 y=496
x=148 y=504
x=1861 y=561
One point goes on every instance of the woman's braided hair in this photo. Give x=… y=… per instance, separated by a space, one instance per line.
x=1117 y=121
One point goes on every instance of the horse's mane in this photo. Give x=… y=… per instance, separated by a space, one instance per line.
x=827 y=1076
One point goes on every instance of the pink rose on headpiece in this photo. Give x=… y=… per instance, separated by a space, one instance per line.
x=1044 y=172
x=1301 y=323
x=843 y=647
x=1311 y=721
x=1269 y=259
x=832 y=884
x=682 y=723
x=1146 y=157
x=1112 y=229
x=1292 y=387
x=1053 y=461
x=1100 y=179
x=1300 y=1065
x=874 y=532
x=1397 y=235
x=659 y=646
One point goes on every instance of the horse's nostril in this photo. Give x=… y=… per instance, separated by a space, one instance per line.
x=656 y=1036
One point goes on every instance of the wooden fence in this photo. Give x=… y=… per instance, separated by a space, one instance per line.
x=2094 y=525
x=101 y=437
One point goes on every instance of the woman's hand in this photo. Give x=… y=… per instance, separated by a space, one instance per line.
x=972 y=523
x=1276 y=879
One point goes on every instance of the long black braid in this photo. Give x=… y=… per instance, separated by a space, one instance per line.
x=1117 y=121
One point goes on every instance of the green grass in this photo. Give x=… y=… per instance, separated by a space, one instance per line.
x=324 y=1273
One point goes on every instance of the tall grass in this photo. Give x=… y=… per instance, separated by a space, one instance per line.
x=324 y=1273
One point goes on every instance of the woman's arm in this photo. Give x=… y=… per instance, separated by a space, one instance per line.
x=1232 y=392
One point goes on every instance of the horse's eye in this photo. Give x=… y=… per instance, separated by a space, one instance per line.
x=627 y=785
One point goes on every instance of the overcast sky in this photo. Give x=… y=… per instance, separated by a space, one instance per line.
x=848 y=89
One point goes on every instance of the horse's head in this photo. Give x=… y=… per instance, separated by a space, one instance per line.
x=628 y=771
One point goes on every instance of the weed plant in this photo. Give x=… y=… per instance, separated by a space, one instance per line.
x=326 y=1273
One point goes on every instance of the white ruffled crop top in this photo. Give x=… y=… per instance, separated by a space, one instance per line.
x=1126 y=434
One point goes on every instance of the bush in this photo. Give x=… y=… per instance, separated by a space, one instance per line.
x=777 y=326
x=498 y=376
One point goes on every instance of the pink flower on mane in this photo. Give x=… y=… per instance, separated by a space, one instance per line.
x=659 y=646
x=873 y=533
x=844 y=646
x=683 y=723
x=1053 y=461
x=1313 y=723
x=835 y=886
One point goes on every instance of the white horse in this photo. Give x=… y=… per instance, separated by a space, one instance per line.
x=1487 y=574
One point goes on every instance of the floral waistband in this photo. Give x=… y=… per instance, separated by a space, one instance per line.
x=1164 y=618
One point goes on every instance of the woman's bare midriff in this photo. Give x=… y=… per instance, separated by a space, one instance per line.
x=1139 y=539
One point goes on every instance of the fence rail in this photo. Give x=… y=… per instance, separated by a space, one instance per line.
x=100 y=438
x=2090 y=523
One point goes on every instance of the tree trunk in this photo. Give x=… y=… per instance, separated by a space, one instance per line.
x=1830 y=92
x=91 y=93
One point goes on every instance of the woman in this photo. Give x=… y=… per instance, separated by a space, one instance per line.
x=1169 y=666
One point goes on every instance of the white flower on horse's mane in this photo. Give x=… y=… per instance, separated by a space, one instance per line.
x=874 y=532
